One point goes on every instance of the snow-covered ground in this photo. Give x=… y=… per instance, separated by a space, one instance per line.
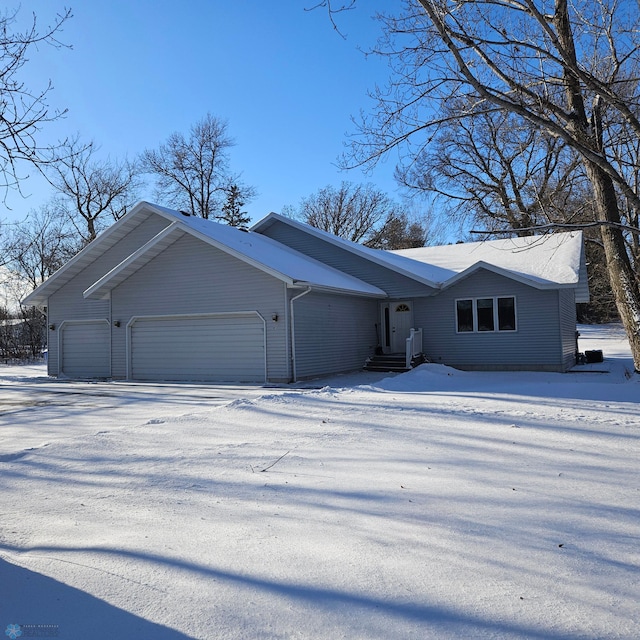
x=433 y=504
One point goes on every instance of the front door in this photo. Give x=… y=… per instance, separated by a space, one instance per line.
x=401 y=321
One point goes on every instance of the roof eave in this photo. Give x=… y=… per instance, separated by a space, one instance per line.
x=35 y=299
x=289 y=280
x=101 y=288
x=374 y=293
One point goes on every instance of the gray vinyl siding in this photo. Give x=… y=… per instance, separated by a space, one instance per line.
x=68 y=302
x=535 y=345
x=394 y=284
x=191 y=277
x=568 y=327
x=333 y=333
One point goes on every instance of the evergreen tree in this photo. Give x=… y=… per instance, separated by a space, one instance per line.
x=232 y=213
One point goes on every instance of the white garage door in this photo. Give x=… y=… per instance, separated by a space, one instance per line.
x=215 y=348
x=85 y=349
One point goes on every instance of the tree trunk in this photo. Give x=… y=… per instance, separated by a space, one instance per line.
x=623 y=279
x=621 y=274
x=91 y=228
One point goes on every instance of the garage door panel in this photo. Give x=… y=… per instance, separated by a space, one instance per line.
x=212 y=348
x=85 y=349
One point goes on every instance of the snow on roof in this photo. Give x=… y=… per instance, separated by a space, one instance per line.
x=552 y=259
x=540 y=261
x=276 y=257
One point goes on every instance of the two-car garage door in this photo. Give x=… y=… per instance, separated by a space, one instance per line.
x=216 y=348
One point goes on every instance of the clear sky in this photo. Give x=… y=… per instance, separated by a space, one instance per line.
x=284 y=80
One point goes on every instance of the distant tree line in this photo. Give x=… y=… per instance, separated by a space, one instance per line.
x=362 y=213
x=23 y=334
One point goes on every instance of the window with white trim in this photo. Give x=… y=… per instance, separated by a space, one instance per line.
x=486 y=314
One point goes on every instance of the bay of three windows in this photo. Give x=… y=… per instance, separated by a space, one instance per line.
x=486 y=314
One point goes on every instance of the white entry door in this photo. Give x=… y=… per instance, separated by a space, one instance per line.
x=401 y=320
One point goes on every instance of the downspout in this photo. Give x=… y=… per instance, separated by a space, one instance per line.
x=293 y=333
x=110 y=335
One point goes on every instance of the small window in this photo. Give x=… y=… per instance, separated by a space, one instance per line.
x=506 y=314
x=486 y=314
x=464 y=309
x=401 y=308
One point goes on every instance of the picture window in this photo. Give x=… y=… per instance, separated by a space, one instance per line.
x=486 y=314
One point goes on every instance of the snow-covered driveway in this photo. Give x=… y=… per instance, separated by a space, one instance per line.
x=36 y=410
x=435 y=504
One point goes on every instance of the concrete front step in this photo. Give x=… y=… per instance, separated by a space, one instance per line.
x=392 y=363
x=372 y=367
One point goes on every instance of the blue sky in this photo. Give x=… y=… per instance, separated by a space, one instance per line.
x=284 y=80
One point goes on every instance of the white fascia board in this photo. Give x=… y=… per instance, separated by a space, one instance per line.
x=44 y=290
x=373 y=293
x=101 y=288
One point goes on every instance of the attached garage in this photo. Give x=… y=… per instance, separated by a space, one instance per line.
x=221 y=347
x=85 y=348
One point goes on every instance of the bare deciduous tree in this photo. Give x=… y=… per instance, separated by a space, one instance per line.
x=400 y=231
x=23 y=110
x=34 y=249
x=350 y=211
x=192 y=173
x=496 y=170
x=570 y=70
x=38 y=246
x=95 y=191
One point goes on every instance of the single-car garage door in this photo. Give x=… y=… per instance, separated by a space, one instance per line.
x=215 y=348
x=85 y=349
